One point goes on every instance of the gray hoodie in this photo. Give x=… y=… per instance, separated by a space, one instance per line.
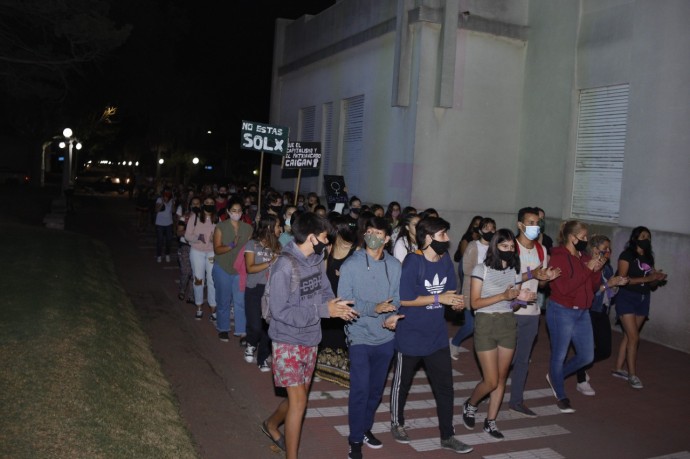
x=296 y=316
x=369 y=282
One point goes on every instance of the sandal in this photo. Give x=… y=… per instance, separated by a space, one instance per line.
x=280 y=442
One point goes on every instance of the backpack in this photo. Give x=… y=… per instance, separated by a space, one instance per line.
x=294 y=285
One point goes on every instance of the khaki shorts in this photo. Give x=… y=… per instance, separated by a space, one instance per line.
x=494 y=329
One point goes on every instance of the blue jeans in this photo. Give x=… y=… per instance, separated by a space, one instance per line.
x=527 y=330
x=368 y=372
x=466 y=330
x=568 y=325
x=227 y=293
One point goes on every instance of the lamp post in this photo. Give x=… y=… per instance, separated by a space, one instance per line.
x=70 y=142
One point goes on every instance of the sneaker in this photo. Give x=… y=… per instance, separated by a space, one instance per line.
x=399 y=433
x=635 y=382
x=158 y=259
x=564 y=405
x=199 y=315
x=548 y=380
x=167 y=258
x=491 y=429
x=468 y=412
x=243 y=342
x=456 y=445
x=264 y=367
x=224 y=337
x=213 y=317
x=454 y=350
x=523 y=410
x=585 y=389
x=622 y=374
x=371 y=441
x=355 y=451
x=249 y=353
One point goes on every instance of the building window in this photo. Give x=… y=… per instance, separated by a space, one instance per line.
x=600 y=151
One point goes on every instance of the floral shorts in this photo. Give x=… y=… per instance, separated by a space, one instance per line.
x=293 y=364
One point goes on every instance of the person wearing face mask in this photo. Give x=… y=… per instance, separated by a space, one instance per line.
x=199 y=234
x=286 y=235
x=371 y=277
x=567 y=313
x=393 y=214
x=275 y=205
x=332 y=363
x=221 y=201
x=228 y=239
x=295 y=326
x=533 y=265
x=355 y=208
x=495 y=289
x=428 y=281
x=599 y=246
x=636 y=262
x=184 y=248
x=474 y=255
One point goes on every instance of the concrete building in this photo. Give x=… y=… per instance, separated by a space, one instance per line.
x=581 y=107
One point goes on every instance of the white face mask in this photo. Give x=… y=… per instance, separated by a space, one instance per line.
x=235 y=217
x=531 y=232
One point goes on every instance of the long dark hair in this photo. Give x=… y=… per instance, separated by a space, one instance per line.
x=470 y=228
x=631 y=245
x=265 y=232
x=492 y=259
x=404 y=232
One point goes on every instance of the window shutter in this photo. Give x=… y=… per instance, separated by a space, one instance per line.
x=600 y=151
x=352 y=143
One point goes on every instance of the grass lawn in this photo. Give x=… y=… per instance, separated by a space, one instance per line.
x=78 y=378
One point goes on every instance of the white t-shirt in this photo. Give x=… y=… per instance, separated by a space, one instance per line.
x=529 y=258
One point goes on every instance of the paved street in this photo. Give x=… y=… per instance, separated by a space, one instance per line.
x=224 y=399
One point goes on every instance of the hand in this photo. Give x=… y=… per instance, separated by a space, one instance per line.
x=595 y=264
x=338 y=307
x=385 y=306
x=527 y=295
x=618 y=281
x=453 y=299
x=511 y=293
x=392 y=321
x=553 y=273
x=660 y=275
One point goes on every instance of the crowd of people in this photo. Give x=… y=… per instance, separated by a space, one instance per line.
x=354 y=293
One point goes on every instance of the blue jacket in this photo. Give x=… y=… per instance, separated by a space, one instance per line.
x=369 y=282
x=296 y=315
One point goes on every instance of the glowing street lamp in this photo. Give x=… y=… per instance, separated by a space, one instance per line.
x=195 y=160
x=70 y=142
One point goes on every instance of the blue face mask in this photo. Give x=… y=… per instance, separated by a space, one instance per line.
x=532 y=232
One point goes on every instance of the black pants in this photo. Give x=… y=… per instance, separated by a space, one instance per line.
x=257 y=328
x=440 y=372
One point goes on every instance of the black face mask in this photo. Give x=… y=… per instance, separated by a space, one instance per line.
x=319 y=247
x=439 y=247
x=223 y=195
x=581 y=245
x=196 y=209
x=488 y=236
x=506 y=255
x=276 y=209
x=645 y=244
x=209 y=208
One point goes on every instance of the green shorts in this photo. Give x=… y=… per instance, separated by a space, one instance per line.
x=494 y=329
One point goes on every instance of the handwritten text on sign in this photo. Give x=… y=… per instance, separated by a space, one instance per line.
x=264 y=137
x=302 y=155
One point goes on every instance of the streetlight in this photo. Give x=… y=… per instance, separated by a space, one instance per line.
x=195 y=160
x=70 y=142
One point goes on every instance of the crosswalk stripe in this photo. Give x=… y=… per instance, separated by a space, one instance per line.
x=430 y=444
x=542 y=453
x=677 y=455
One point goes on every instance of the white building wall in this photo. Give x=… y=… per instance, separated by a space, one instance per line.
x=508 y=141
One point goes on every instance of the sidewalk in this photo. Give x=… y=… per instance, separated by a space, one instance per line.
x=224 y=399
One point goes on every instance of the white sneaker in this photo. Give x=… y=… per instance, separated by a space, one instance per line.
x=249 y=353
x=454 y=350
x=585 y=389
x=167 y=258
x=158 y=259
x=264 y=367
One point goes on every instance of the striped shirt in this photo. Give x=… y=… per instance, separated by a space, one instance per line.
x=493 y=283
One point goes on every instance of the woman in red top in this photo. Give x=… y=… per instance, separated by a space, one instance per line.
x=567 y=314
